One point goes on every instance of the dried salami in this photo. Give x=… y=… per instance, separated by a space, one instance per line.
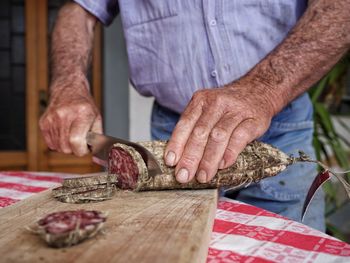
x=67 y=228
x=257 y=161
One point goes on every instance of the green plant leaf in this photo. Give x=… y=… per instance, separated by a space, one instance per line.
x=325 y=118
x=344 y=140
x=330 y=190
x=340 y=154
x=337 y=72
x=331 y=229
x=317 y=145
x=343 y=124
x=318 y=89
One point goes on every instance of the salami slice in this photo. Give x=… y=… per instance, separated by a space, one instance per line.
x=89 y=180
x=101 y=193
x=62 y=191
x=67 y=228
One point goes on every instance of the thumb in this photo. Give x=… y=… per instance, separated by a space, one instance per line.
x=97 y=125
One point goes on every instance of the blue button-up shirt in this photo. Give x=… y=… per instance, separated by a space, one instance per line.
x=176 y=47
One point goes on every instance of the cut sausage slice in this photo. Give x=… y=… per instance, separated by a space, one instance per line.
x=67 y=228
x=88 y=181
x=92 y=195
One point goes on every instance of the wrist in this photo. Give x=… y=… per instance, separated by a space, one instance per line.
x=76 y=81
x=272 y=83
x=260 y=93
x=269 y=95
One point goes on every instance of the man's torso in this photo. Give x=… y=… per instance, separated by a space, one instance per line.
x=176 y=47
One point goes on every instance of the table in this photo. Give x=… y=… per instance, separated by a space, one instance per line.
x=241 y=233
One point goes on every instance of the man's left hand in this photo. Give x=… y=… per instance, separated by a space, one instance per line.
x=215 y=127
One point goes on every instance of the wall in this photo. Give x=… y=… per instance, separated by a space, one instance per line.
x=115 y=82
x=126 y=113
x=140 y=114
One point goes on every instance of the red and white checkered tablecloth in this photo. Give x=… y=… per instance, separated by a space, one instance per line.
x=241 y=232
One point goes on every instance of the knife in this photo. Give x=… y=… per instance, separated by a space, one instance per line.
x=100 y=146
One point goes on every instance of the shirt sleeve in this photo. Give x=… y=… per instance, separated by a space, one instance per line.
x=103 y=10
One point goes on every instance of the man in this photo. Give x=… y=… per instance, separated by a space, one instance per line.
x=223 y=73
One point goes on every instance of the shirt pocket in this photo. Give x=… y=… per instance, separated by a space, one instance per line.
x=281 y=13
x=136 y=12
x=153 y=51
x=255 y=27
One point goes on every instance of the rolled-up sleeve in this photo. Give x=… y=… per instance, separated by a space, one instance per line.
x=103 y=10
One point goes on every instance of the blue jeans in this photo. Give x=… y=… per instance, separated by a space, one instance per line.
x=283 y=194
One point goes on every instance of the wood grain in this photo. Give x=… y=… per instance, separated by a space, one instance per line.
x=163 y=226
x=12 y=159
x=31 y=104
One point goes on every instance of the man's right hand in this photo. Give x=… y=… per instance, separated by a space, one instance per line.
x=70 y=114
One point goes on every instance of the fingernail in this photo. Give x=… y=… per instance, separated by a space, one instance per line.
x=222 y=164
x=182 y=175
x=170 y=158
x=202 y=176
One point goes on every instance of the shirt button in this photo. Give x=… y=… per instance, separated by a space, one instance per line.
x=214 y=73
x=213 y=22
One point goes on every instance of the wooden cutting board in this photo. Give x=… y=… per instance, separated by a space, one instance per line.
x=163 y=226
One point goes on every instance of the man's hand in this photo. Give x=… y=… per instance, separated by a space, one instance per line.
x=71 y=112
x=214 y=128
x=69 y=116
x=217 y=124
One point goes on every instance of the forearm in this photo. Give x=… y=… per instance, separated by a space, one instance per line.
x=71 y=112
x=72 y=41
x=318 y=41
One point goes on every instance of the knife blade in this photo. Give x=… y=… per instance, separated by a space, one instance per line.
x=100 y=146
x=319 y=180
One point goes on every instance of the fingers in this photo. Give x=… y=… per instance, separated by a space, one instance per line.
x=49 y=133
x=64 y=145
x=181 y=133
x=195 y=145
x=97 y=125
x=86 y=120
x=222 y=144
x=244 y=133
x=77 y=136
x=46 y=133
x=215 y=148
x=64 y=129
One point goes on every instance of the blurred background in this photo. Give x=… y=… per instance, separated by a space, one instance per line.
x=25 y=28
